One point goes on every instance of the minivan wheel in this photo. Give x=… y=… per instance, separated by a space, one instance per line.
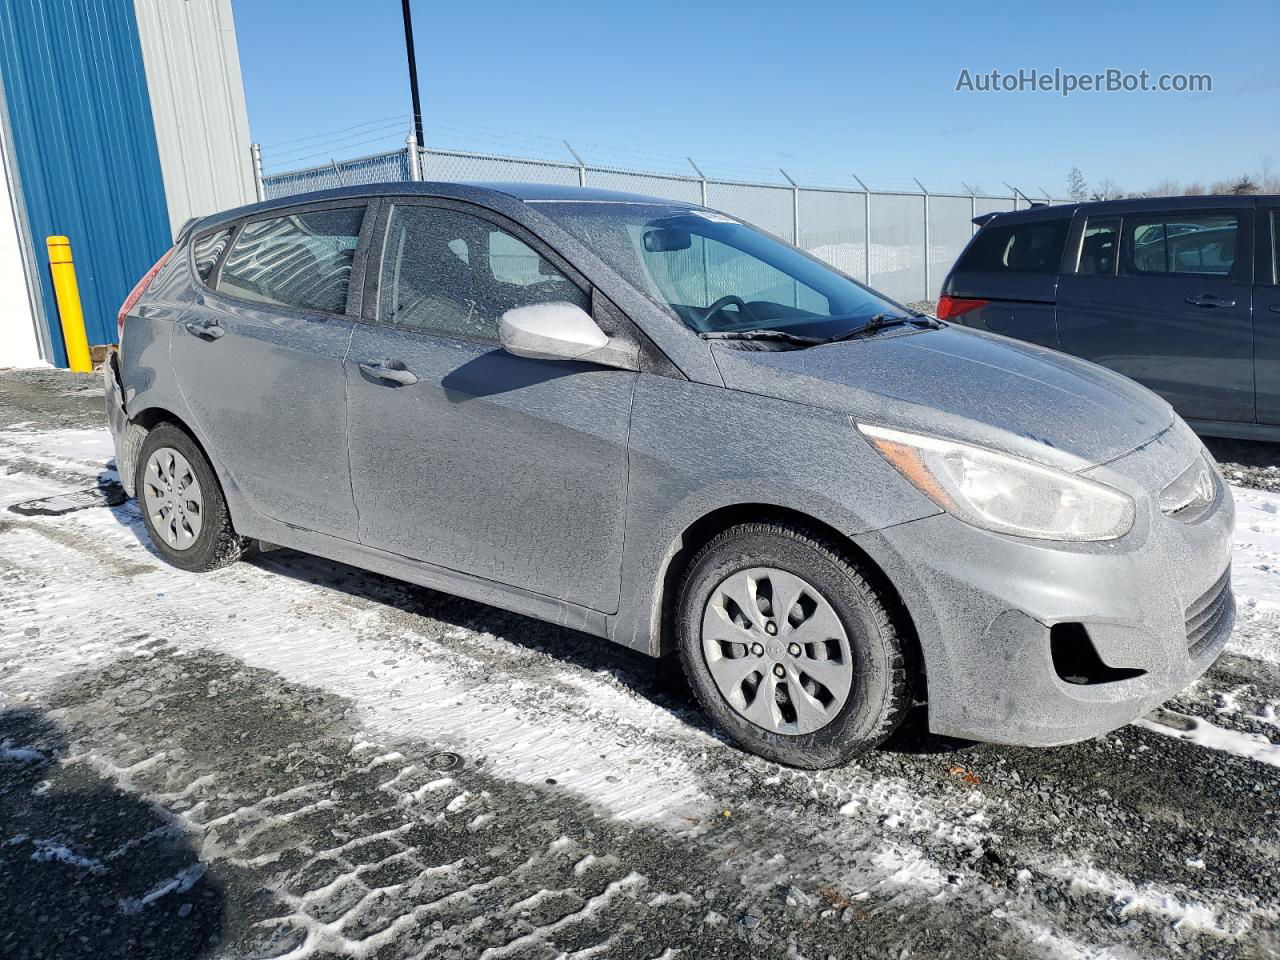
x=182 y=503
x=790 y=648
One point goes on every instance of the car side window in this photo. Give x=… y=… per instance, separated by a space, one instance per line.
x=206 y=251
x=1098 y=246
x=1180 y=244
x=1017 y=248
x=1275 y=247
x=445 y=271
x=301 y=260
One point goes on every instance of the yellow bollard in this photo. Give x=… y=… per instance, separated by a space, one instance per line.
x=67 y=292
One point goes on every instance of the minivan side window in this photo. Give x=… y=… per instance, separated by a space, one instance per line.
x=1275 y=250
x=206 y=251
x=1017 y=248
x=1187 y=244
x=1098 y=246
x=448 y=272
x=301 y=260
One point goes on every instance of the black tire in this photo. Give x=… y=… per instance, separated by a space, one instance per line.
x=882 y=651
x=216 y=544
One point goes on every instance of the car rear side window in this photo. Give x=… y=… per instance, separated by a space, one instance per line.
x=1275 y=247
x=302 y=260
x=1098 y=246
x=1180 y=244
x=1016 y=248
x=445 y=271
x=206 y=251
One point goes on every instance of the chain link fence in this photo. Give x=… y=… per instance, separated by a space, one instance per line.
x=899 y=243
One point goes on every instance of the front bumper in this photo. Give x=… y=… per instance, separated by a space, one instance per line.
x=1157 y=601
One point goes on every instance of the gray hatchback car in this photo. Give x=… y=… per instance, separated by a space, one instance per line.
x=649 y=421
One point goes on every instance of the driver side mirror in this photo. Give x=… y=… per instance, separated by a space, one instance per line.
x=561 y=331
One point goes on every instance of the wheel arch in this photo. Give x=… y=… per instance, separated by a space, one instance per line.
x=140 y=425
x=706 y=527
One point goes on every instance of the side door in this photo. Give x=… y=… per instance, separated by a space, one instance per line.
x=1266 y=309
x=259 y=357
x=1164 y=298
x=463 y=455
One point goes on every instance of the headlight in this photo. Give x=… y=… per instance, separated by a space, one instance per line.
x=1005 y=494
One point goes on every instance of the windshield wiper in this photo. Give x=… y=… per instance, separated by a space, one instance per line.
x=780 y=335
x=879 y=322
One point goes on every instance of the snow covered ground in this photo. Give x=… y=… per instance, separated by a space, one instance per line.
x=294 y=758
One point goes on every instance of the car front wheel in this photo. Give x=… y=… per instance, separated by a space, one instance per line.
x=790 y=647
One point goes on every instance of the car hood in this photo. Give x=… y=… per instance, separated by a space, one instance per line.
x=966 y=385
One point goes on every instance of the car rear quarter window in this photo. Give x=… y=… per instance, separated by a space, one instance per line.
x=448 y=272
x=301 y=260
x=1016 y=248
x=1177 y=244
x=206 y=251
x=1098 y=246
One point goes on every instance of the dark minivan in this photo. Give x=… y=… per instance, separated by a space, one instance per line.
x=1181 y=294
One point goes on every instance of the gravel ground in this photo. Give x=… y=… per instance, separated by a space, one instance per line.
x=293 y=758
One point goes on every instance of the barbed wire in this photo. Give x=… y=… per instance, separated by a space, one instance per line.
x=465 y=136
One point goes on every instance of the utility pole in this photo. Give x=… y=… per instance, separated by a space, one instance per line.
x=413 y=73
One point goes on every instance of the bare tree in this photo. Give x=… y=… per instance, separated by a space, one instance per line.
x=1268 y=179
x=1193 y=189
x=1077 y=188
x=1106 y=189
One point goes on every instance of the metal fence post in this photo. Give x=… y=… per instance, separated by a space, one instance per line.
x=702 y=177
x=866 y=227
x=973 y=208
x=582 y=167
x=415 y=159
x=928 y=286
x=795 y=207
x=259 y=190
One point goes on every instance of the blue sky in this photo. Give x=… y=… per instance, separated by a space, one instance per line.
x=820 y=88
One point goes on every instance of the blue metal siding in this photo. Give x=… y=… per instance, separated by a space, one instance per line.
x=85 y=146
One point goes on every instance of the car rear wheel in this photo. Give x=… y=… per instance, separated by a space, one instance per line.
x=182 y=503
x=790 y=647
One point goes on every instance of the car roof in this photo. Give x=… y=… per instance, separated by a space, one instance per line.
x=1045 y=211
x=477 y=192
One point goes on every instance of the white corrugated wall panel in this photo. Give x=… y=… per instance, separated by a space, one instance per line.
x=197 y=100
x=20 y=343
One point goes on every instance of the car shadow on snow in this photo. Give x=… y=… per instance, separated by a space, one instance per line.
x=659 y=680
x=88 y=869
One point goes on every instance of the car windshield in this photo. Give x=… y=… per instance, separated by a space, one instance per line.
x=717 y=274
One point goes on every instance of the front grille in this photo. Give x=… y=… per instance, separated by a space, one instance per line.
x=1210 y=616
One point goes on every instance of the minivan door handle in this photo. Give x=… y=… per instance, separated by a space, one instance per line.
x=205 y=329
x=1275 y=308
x=386 y=371
x=1209 y=300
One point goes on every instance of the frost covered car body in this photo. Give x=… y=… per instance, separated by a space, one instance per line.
x=648 y=421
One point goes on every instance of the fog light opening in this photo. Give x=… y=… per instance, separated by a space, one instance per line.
x=1076 y=661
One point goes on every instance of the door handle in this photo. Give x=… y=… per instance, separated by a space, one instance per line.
x=205 y=329
x=394 y=374
x=1275 y=308
x=1209 y=300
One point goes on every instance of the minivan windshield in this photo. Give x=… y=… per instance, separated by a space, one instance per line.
x=719 y=275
